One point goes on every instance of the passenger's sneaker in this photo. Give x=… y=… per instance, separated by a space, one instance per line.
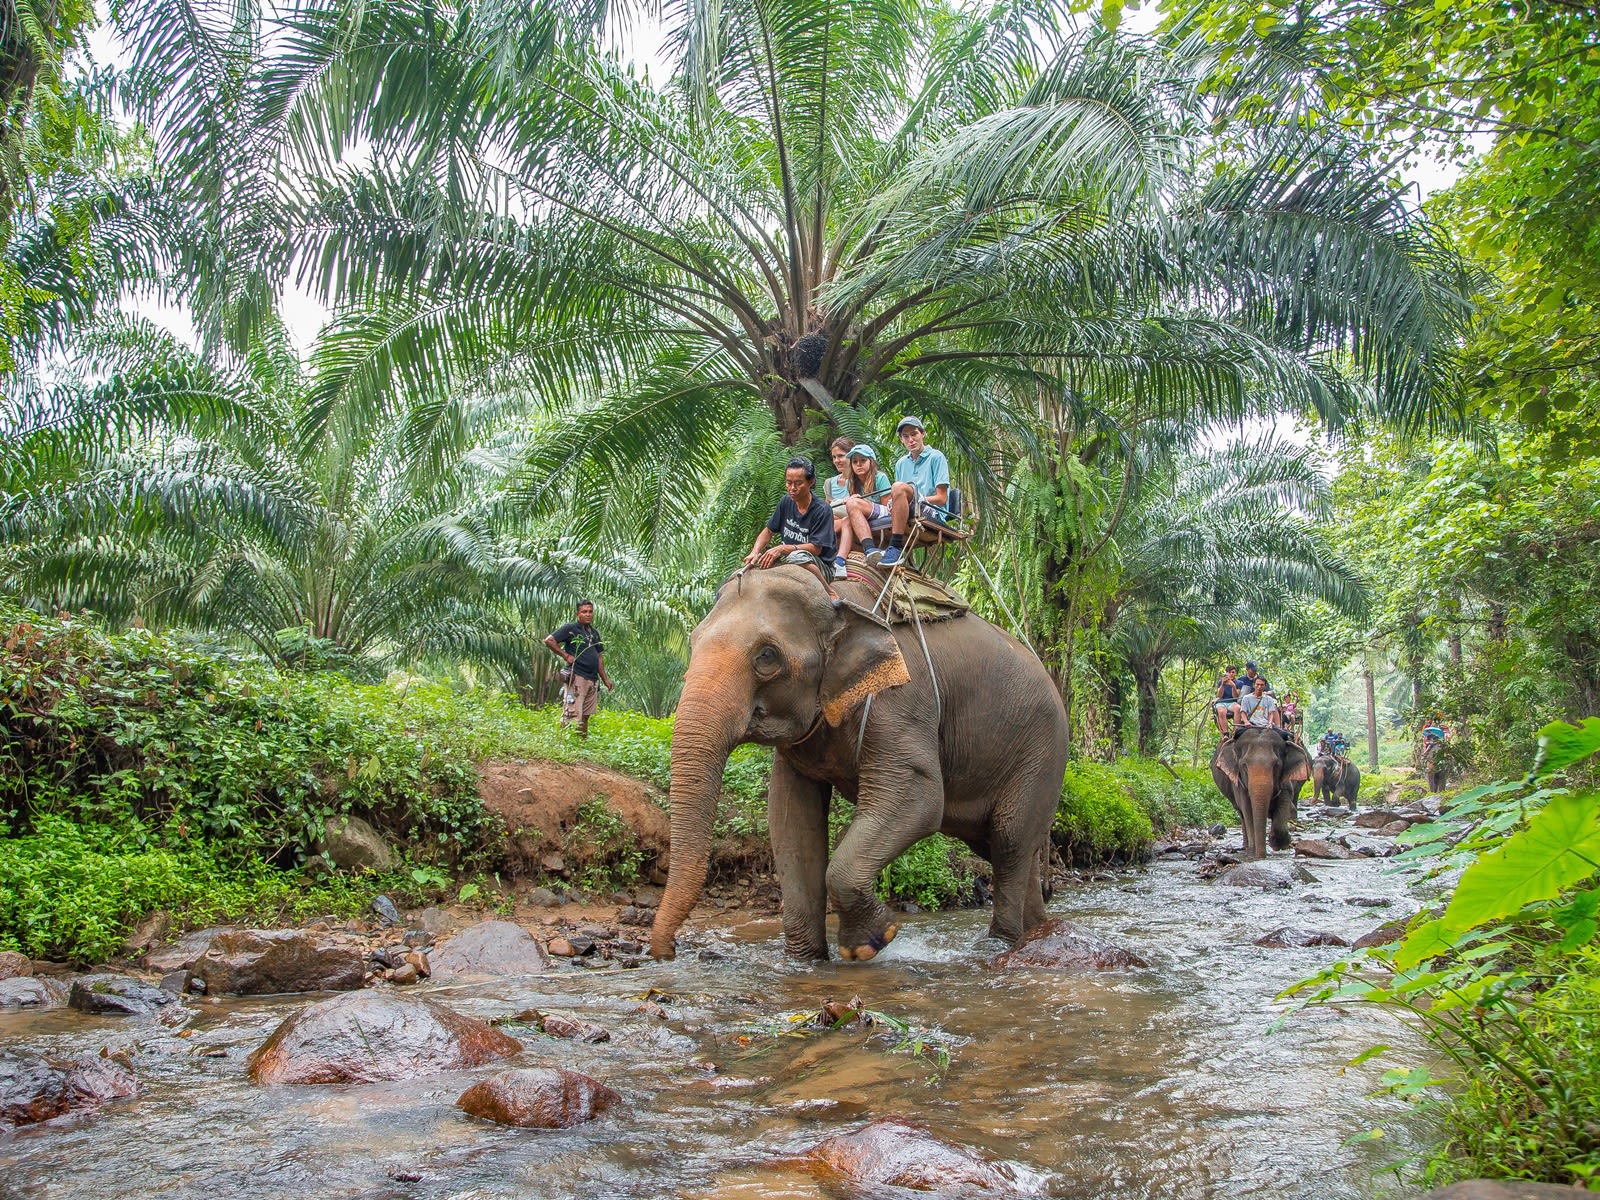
x=840 y=571
x=890 y=557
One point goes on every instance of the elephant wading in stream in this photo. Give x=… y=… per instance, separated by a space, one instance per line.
x=976 y=751
x=1335 y=780
x=1262 y=772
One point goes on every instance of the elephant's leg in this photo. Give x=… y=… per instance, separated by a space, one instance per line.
x=896 y=809
x=797 y=820
x=1016 y=847
x=1282 y=812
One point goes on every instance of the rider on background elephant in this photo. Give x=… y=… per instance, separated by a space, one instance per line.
x=1262 y=772
x=976 y=750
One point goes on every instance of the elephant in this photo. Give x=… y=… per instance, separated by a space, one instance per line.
x=1433 y=768
x=976 y=749
x=1262 y=772
x=1335 y=780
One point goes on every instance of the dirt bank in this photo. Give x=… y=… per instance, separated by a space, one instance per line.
x=552 y=831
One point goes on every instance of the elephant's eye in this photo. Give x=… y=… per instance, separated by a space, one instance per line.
x=767 y=660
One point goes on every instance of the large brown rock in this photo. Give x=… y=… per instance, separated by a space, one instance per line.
x=1288 y=937
x=362 y=1037
x=1501 y=1189
x=1376 y=818
x=183 y=953
x=538 y=1098
x=1063 y=946
x=895 y=1152
x=492 y=948
x=14 y=965
x=351 y=844
x=1386 y=934
x=1318 y=848
x=26 y=992
x=265 y=962
x=1268 y=876
x=36 y=1088
x=117 y=996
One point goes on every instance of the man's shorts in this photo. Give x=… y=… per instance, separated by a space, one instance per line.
x=801 y=557
x=583 y=699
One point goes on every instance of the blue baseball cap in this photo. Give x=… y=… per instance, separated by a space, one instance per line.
x=862 y=450
x=912 y=421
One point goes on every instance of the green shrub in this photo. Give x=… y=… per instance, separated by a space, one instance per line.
x=603 y=849
x=937 y=873
x=1099 y=818
x=1179 y=797
x=74 y=892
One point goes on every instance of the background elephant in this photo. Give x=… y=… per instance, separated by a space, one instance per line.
x=977 y=750
x=1262 y=772
x=1335 y=780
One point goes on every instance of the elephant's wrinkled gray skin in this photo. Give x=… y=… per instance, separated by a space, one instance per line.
x=773 y=663
x=1335 y=780
x=1262 y=772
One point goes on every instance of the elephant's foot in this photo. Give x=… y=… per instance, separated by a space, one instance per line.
x=868 y=949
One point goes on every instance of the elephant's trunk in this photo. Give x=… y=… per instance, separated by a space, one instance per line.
x=713 y=713
x=1262 y=786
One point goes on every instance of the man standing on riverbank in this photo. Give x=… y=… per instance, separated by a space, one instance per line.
x=578 y=644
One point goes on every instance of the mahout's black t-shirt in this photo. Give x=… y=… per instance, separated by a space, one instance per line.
x=796 y=528
x=582 y=641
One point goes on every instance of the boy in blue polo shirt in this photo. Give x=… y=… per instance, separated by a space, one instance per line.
x=921 y=484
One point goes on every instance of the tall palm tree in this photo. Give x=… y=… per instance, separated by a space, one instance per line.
x=831 y=210
x=1217 y=543
x=182 y=491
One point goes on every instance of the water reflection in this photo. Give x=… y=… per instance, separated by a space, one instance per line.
x=1150 y=1083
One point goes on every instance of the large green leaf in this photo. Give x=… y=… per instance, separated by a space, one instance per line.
x=1559 y=847
x=1562 y=744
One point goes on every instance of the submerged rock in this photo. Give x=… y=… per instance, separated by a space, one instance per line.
x=1288 y=937
x=264 y=962
x=35 y=1087
x=1375 y=818
x=362 y=1037
x=117 y=996
x=489 y=949
x=1317 y=848
x=557 y=1025
x=1269 y=876
x=1500 y=1189
x=895 y=1152
x=28 y=992
x=1385 y=934
x=1062 y=945
x=538 y=1098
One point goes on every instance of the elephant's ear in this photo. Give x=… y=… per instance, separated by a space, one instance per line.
x=1228 y=760
x=1296 y=764
x=863 y=659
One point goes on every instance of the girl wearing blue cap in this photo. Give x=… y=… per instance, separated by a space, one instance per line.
x=868 y=485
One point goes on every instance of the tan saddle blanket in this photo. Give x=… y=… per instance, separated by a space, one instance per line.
x=909 y=591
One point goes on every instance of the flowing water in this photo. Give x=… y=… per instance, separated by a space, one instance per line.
x=1165 y=1082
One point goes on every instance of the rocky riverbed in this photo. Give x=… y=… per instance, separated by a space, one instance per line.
x=1126 y=1050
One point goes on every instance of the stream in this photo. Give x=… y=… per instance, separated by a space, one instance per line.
x=1156 y=1083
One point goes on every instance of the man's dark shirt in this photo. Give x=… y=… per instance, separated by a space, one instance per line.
x=795 y=528
x=584 y=642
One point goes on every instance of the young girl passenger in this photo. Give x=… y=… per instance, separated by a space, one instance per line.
x=863 y=507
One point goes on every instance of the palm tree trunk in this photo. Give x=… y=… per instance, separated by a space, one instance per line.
x=1372 y=719
x=1146 y=680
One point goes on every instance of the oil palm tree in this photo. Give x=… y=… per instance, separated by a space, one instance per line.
x=1215 y=544
x=829 y=211
x=181 y=491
